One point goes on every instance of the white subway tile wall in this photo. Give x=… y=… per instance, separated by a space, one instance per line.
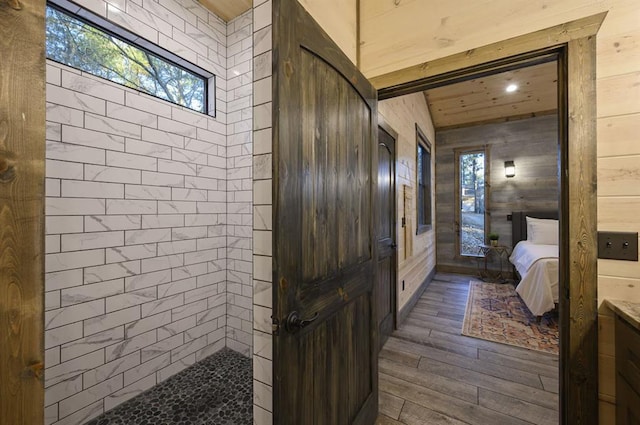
x=239 y=186
x=262 y=213
x=148 y=216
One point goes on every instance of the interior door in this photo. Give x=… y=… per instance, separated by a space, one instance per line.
x=386 y=281
x=325 y=172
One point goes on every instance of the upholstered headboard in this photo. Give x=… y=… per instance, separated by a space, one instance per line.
x=519 y=223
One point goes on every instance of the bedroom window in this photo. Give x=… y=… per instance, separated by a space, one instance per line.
x=471 y=194
x=423 y=171
x=89 y=43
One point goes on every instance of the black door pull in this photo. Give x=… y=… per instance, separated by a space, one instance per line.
x=393 y=245
x=294 y=322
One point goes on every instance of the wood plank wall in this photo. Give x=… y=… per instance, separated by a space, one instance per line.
x=338 y=18
x=402 y=114
x=618 y=126
x=22 y=141
x=531 y=143
x=398 y=34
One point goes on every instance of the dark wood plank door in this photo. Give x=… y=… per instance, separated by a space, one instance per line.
x=325 y=172
x=386 y=281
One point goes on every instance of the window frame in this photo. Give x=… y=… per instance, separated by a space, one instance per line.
x=100 y=23
x=458 y=153
x=426 y=189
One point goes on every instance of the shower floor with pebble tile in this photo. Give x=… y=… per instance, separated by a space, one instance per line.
x=214 y=391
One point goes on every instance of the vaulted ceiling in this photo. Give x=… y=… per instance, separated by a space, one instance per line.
x=227 y=9
x=486 y=100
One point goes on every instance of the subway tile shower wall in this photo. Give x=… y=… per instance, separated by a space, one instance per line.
x=148 y=217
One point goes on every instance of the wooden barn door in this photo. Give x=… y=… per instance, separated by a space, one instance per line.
x=325 y=180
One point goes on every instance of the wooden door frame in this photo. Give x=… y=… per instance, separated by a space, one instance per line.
x=384 y=125
x=22 y=158
x=575 y=44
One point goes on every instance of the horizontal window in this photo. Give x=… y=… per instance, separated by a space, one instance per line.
x=77 y=43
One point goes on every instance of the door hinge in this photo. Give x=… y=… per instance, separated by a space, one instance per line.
x=404 y=222
x=275 y=326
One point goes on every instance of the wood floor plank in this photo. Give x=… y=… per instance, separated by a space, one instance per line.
x=390 y=405
x=520 y=376
x=514 y=407
x=425 y=379
x=508 y=350
x=440 y=305
x=421 y=336
x=435 y=320
x=408 y=359
x=435 y=323
x=451 y=315
x=385 y=420
x=452 y=278
x=431 y=325
x=434 y=310
x=550 y=384
x=524 y=392
x=447 y=288
x=414 y=414
x=450 y=300
x=443 y=377
x=450 y=406
x=513 y=363
x=425 y=310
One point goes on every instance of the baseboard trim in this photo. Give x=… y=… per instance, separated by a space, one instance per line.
x=404 y=311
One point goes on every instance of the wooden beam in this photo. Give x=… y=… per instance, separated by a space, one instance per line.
x=553 y=36
x=22 y=142
x=579 y=303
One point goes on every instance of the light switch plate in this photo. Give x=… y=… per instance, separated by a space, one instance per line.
x=618 y=245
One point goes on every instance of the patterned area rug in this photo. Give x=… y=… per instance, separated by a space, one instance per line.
x=496 y=313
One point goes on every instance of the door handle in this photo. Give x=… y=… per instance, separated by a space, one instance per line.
x=393 y=245
x=294 y=322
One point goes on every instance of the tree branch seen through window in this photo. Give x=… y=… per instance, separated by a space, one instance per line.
x=83 y=46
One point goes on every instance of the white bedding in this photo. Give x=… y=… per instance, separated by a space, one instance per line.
x=538 y=267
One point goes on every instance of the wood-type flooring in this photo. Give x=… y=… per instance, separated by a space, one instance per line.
x=430 y=374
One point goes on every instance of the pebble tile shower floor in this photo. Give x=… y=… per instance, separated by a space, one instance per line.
x=214 y=391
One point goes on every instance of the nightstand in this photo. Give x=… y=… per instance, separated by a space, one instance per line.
x=492 y=254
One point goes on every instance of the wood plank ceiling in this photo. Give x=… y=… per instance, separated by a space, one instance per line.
x=227 y=9
x=485 y=99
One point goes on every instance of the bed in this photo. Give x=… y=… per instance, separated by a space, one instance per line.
x=536 y=260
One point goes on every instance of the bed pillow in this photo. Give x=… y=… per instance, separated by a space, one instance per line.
x=542 y=231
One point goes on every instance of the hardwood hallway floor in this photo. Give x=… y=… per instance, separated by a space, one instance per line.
x=430 y=374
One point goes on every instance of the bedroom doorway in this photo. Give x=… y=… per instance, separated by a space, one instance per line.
x=572 y=45
x=475 y=342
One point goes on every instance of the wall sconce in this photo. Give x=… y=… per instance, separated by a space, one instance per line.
x=509 y=169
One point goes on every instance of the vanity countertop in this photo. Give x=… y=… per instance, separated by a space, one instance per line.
x=629 y=311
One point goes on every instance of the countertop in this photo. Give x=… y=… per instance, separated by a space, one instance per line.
x=629 y=311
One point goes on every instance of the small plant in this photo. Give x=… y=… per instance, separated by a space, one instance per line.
x=493 y=238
